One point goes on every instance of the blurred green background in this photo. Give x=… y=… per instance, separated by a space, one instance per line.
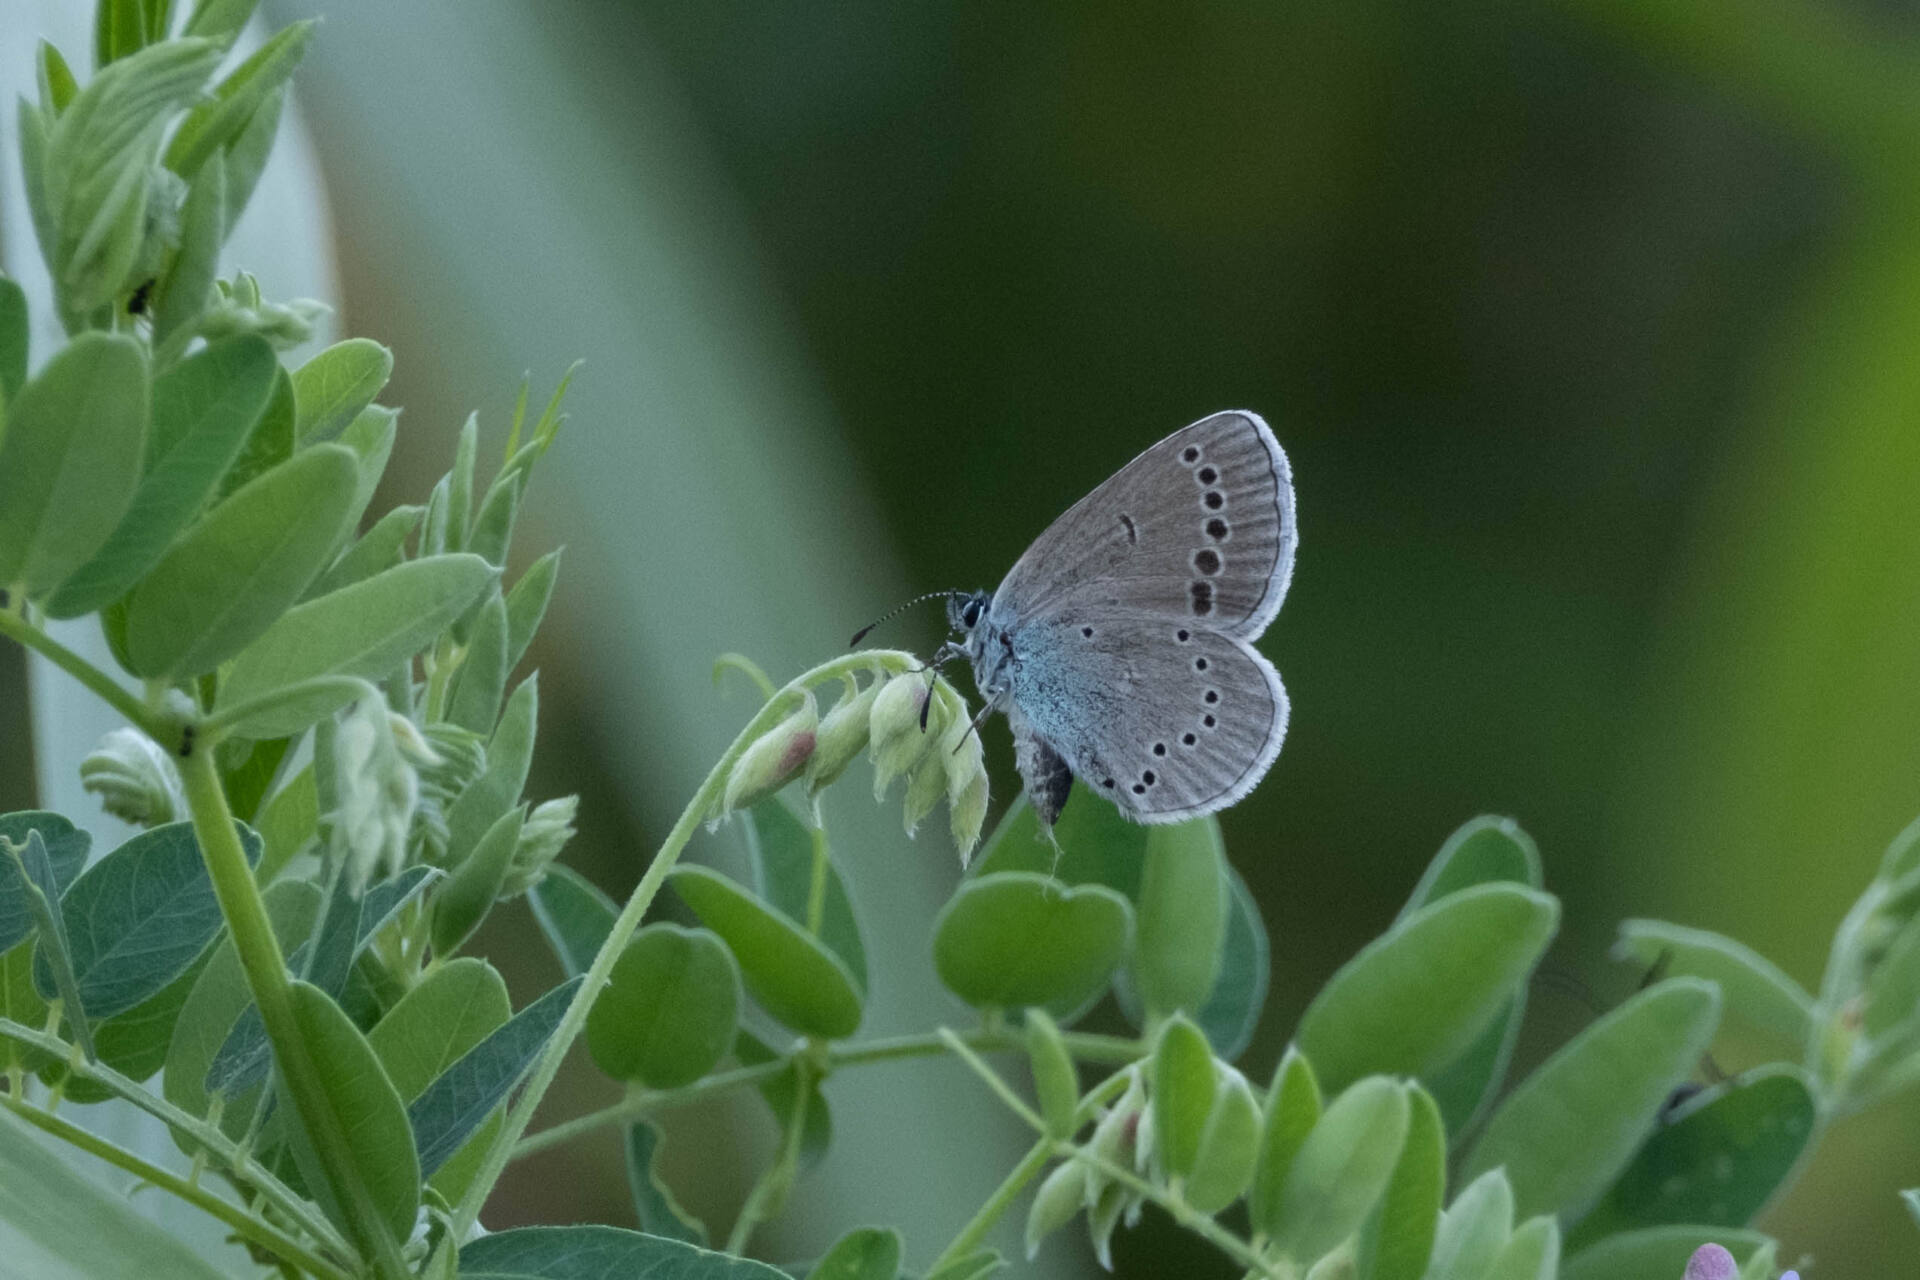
x=1592 y=330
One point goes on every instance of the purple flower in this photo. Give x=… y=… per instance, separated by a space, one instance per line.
x=1711 y=1262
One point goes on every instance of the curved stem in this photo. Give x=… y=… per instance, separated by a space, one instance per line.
x=770 y=1192
x=975 y=1232
x=244 y=1224
x=649 y=1102
x=1181 y=1212
x=98 y=682
x=350 y=688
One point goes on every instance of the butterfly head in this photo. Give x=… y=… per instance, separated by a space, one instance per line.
x=965 y=609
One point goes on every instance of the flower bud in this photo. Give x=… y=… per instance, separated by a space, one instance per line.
x=900 y=739
x=1060 y=1197
x=844 y=734
x=378 y=792
x=1102 y=1216
x=134 y=779
x=1711 y=1262
x=924 y=788
x=542 y=836
x=773 y=760
x=966 y=792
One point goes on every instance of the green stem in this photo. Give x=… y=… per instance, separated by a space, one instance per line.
x=218 y=723
x=244 y=1224
x=272 y=990
x=1001 y=1088
x=771 y=1190
x=975 y=1232
x=649 y=1102
x=1192 y=1219
x=102 y=685
x=704 y=798
x=817 y=886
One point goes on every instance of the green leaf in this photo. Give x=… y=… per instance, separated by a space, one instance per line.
x=1397 y=1242
x=1893 y=987
x=1467 y=1087
x=1416 y=997
x=1474 y=1229
x=1181 y=917
x=653 y=1203
x=493 y=524
x=219 y=119
x=1056 y=1084
x=52 y=953
x=460 y=482
x=287 y=821
x=56 y=1224
x=453 y=1009
x=1572 y=1125
x=781 y=849
x=1532 y=1254
x=598 y=1253
x=509 y=754
x=70 y=458
x=790 y=973
x=363 y=630
x=13 y=342
x=1343 y=1168
x=119 y=29
x=238 y=570
x=247 y=156
x=1656 y=1252
x=865 y=1253
x=363 y=1108
x=1096 y=845
x=1716 y=1160
x=66 y=853
x=977 y=1265
x=1754 y=988
x=483 y=675
x=468 y=895
x=270 y=443
x=1228 y=1147
x=57 y=85
x=527 y=604
x=377 y=550
x=782 y=1094
x=1239 y=994
x=1486 y=850
x=220 y=21
x=331 y=389
x=139 y=917
x=669 y=1009
x=574 y=915
x=446 y=1114
x=182 y=293
x=1293 y=1107
x=370 y=435
x=1183 y=1084
x=203 y=410
x=1014 y=938
x=20 y=1003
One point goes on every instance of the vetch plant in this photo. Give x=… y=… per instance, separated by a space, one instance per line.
x=327 y=743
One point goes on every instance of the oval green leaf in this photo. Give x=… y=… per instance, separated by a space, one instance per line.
x=1474 y=1229
x=599 y=1253
x=791 y=974
x=1397 y=1242
x=1232 y=1011
x=574 y=915
x=66 y=851
x=1095 y=845
x=1015 y=938
x=1293 y=1107
x=669 y=1009
x=1569 y=1128
x=469 y=893
x=1183 y=1084
x=781 y=848
x=1485 y=850
x=653 y=1201
x=1343 y=1169
x=331 y=389
x=1228 y=1148
x=234 y=573
x=1416 y=997
x=1755 y=989
x=1657 y=1251
x=865 y=1253
x=1181 y=917
x=1532 y=1254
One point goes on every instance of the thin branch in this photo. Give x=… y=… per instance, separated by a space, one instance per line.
x=98 y=682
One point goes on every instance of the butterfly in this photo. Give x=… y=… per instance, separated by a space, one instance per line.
x=1120 y=646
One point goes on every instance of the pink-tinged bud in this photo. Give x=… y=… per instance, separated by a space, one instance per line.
x=844 y=734
x=773 y=760
x=1711 y=1262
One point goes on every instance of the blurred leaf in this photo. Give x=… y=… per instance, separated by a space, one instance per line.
x=468 y=895
x=446 y=1114
x=270 y=443
x=1486 y=850
x=362 y=630
x=574 y=915
x=1753 y=987
x=1056 y=1082
x=493 y=523
x=56 y=1224
x=52 y=954
x=66 y=852
x=203 y=409
x=781 y=848
x=509 y=755
x=792 y=975
x=253 y=555
x=454 y=1008
x=482 y=677
x=653 y=1203
x=598 y=1253
x=669 y=1009
x=247 y=769
x=135 y=1043
x=220 y=21
x=781 y=1094
x=1014 y=938
x=331 y=389
x=1233 y=1008
x=1474 y=1229
x=219 y=119
x=119 y=29
x=370 y=435
x=1181 y=917
x=1096 y=845
x=1717 y=1160
x=57 y=85
x=977 y=1265
x=1292 y=1109
x=865 y=1253
x=1893 y=988
x=1343 y=1169
x=1570 y=1127
x=365 y=1110
x=1228 y=1148
x=181 y=296
x=1416 y=997
x=1182 y=1086
x=460 y=482
x=379 y=549
x=1656 y=1251
x=139 y=917
x=13 y=342
x=70 y=458
x=290 y=818
x=1533 y=1253
x=20 y=1003
x=527 y=604
x=1397 y=1241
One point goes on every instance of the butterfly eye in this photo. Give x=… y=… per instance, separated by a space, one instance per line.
x=970 y=616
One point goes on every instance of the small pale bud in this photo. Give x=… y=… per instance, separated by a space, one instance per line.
x=774 y=759
x=412 y=743
x=134 y=779
x=1060 y=1197
x=378 y=793
x=542 y=836
x=966 y=792
x=1056 y=1085
x=900 y=740
x=925 y=788
x=1711 y=1262
x=1102 y=1216
x=844 y=734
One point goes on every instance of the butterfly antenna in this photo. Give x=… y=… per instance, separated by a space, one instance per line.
x=896 y=611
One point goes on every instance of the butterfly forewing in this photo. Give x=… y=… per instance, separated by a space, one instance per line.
x=1167 y=719
x=1199 y=528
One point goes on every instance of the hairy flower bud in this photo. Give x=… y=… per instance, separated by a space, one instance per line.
x=966 y=791
x=774 y=759
x=844 y=734
x=542 y=836
x=900 y=738
x=378 y=792
x=1060 y=1197
x=134 y=779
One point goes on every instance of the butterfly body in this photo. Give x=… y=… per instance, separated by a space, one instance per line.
x=1120 y=645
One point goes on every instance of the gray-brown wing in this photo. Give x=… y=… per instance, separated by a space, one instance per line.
x=1200 y=527
x=1166 y=719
